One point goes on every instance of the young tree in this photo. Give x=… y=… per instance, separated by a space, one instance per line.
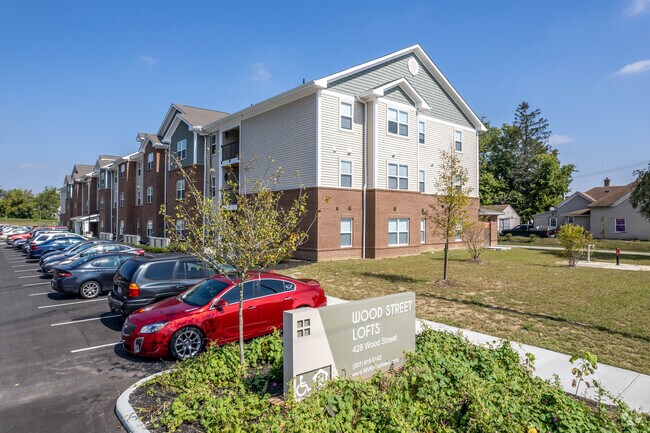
x=473 y=235
x=449 y=213
x=46 y=204
x=574 y=240
x=640 y=198
x=262 y=229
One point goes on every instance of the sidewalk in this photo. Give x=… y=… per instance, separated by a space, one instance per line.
x=631 y=387
x=532 y=247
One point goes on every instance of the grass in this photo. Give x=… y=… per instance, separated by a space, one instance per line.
x=601 y=244
x=27 y=222
x=528 y=296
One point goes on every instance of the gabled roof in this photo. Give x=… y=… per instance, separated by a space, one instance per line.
x=402 y=83
x=103 y=161
x=193 y=116
x=574 y=195
x=81 y=170
x=485 y=211
x=606 y=196
x=578 y=212
x=496 y=207
x=146 y=138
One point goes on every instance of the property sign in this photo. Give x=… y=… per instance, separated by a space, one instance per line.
x=353 y=339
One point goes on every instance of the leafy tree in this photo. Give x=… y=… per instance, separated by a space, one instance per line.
x=474 y=237
x=640 y=198
x=17 y=203
x=449 y=213
x=47 y=204
x=263 y=229
x=517 y=166
x=574 y=240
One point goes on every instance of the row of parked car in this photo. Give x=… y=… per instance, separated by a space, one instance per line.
x=172 y=303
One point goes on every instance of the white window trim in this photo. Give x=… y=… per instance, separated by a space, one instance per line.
x=408 y=229
x=179 y=183
x=351 y=232
x=351 y=104
x=388 y=163
x=138 y=198
x=458 y=230
x=149 y=197
x=423 y=230
x=122 y=199
x=122 y=171
x=182 y=152
x=139 y=168
x=570 y=220
x=149 y=228
x=549 y=221
x=341 y=160
x=423 y=181
x=150 y=163
x=624 y=223
x=423 y=123
x=408 y=126
x=213 y=187
x=461 y=141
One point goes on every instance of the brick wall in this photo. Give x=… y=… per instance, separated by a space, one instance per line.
x=126 y=185
x=155 y=178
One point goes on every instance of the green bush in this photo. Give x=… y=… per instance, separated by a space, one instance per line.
x=574 y=240
x=532 y=238
x=447 y=385
x=508 y=237
x=154 y=250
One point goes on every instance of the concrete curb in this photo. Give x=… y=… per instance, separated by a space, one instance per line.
x=125 y=412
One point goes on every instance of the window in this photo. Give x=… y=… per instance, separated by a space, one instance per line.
x=346 y=232
x=458 y=140
x=398 y=231
x=398 y=122
x=106 y=262
x=137 y=227
x=180 y=226
x=101 y=225
x=213 y=187
x=121 y=199
x=180 y=189
x=121 y=227
x=421 y=178
x=139 y=165
x=138 y=200
x=102 y=180
x=149 y=228
x=122 y=171
x=398 y=176
x=619 y=225
x=160 y=271
x=101 y=202
x=346 y=174
x=149 y=161
x=181 y=149
x=150 y=194
x=421 y=132
x=552 y=221
x=570 y=220
x=232 y=295
x=459 y=232
x=213 y=144
x=423 y=226
x=346 y=115
x=458 y=184
x=271 y=287
x=191 y=271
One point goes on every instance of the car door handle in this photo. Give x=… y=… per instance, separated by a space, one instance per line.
x=250 y=308
x=288 y=298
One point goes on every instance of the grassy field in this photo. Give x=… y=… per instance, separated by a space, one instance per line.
x=523 y=295
x=27 y=222
x=601 y=244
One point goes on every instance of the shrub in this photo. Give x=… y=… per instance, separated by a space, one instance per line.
x=532 y=238
x=149 y=249
x=473 y=236
x=508 y=237
x=574 y=240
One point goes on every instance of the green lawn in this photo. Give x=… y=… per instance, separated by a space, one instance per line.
x=27 y=222
x=528 y=296
x=601 y=244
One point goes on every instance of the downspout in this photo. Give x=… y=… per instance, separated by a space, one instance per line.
x=165 y=193
x=117 y=204
x=365 y=179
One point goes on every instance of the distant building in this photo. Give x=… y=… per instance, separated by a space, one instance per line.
x=509 y=218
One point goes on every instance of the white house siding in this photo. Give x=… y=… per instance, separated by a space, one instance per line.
x=340 y=144
x=286 y=134
x=637 y=227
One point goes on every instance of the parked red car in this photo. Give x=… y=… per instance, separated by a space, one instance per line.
x=208 y=313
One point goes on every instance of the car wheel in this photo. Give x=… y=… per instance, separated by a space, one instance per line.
x=186 y=342
x=90 y=289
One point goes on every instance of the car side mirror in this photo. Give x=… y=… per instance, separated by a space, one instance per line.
x=221 y=303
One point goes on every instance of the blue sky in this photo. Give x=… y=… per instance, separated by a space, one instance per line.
x=79 y=79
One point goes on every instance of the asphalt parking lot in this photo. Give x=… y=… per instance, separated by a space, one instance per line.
x=61 y=364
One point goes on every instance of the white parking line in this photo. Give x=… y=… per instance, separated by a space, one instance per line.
x=26 y=270
x=30 y=276
x=72 y=303
x=37 y=284
x=95 y=347
x=85 y=320
x=22 y=266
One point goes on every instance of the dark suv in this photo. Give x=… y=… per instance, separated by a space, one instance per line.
x=141 y=281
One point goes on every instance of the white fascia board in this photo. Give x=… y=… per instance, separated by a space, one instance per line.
x=261 y=107
x=621 y=200
x=402 y=83
x=428 y=63
x=172 y=128
x=572 y=196
x=164 y=127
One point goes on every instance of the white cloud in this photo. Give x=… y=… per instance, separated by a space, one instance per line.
x=148 y=60
x=260 y=72
x=27 y=166
x=635 y=68
x=559 y=139
x=637 y=7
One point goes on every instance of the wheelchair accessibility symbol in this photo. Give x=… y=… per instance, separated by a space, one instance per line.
x=311 y=380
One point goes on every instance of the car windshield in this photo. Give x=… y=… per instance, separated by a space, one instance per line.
x=203 y=292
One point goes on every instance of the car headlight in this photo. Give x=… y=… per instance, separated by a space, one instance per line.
x=154 y=327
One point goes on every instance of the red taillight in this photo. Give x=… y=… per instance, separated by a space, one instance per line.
x=134 y=290
x=63 y=274
x=140 y=252
x=34 y=247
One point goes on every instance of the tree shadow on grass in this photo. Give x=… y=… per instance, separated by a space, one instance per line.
x=534 y=315
x=393 y=278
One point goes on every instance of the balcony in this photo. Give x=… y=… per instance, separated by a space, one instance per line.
x=230 y=151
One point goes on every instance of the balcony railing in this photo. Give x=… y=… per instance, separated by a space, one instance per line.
x=230 y=151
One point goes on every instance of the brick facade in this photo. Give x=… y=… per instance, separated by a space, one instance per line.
x=155 y=178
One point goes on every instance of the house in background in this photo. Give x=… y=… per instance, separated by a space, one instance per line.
x=603 y=210
x=508 y=218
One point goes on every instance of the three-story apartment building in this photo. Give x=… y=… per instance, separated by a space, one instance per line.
x=364 y=144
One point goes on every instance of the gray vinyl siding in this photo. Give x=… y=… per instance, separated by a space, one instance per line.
x=396 y=149
x=200 y=154
x=339 y=144
x=442 y=106
x=541 y=219
x=287 y=135
x=577 y=202
x=183 y=132
x=636 y=226
x=398 y=95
